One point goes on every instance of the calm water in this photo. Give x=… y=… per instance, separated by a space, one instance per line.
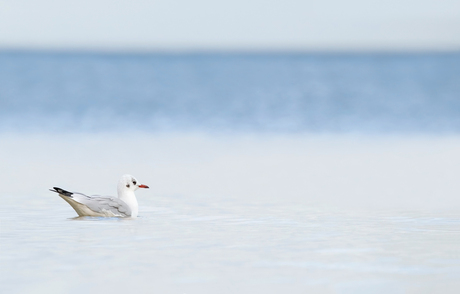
x=228 y=215
x=208 y=245
x=279 y=92
x=268 y=173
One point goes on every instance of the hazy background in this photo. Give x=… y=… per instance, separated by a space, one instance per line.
x=202 y=25
x=284 y=73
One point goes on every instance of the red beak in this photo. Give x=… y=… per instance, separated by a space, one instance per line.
x=143 y=186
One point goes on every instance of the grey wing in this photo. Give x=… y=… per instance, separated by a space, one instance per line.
x=104 y=204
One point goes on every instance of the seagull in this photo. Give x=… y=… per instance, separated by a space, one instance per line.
x=123 y=206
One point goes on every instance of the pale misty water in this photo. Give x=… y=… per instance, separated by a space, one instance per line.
x=261 y=178
x=202 y=245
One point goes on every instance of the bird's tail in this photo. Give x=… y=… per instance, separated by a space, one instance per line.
x=61 y=191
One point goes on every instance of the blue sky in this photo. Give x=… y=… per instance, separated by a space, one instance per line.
x=248 y=25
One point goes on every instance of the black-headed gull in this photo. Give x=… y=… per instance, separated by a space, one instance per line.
x=123 y=206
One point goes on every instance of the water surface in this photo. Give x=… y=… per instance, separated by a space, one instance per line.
x=269 y=173
x=208 y=245
x=365 y=93
x=234 y=215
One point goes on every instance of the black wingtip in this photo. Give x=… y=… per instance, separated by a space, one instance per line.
x=61 y=191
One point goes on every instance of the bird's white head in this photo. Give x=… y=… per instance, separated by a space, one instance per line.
x=128 y=183
x=126 y=187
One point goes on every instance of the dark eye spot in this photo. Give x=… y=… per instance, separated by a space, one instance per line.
x=134 y=182
x=127 y=186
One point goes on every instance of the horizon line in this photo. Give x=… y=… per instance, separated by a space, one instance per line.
x=175 y=51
